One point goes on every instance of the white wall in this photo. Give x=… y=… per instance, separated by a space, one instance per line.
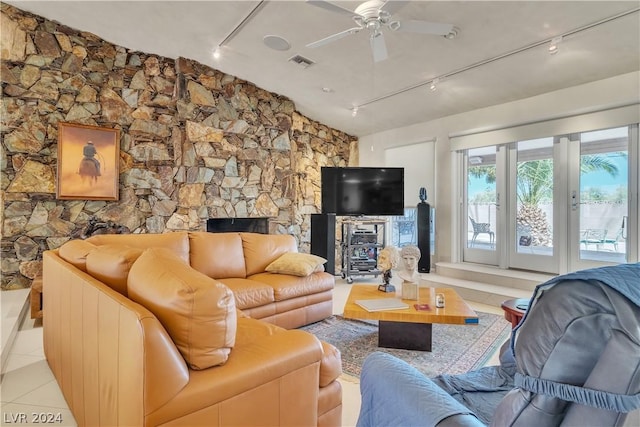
x=599 y=95
x=417 y=161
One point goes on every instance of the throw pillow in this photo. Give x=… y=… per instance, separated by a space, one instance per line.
x=296 y=264
x=198 y=312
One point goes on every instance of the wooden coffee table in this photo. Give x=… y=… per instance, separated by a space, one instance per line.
x=410 y=329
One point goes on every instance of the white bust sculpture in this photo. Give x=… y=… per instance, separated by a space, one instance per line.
x=410 y=256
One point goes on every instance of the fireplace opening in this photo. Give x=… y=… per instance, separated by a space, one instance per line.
x=250 y=225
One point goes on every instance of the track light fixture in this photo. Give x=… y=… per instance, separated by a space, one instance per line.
x=434 y=85
x=237 y=28
x=553 y=46
x=354 y=111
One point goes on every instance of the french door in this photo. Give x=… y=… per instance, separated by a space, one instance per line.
x=569 y=202
x=482 y=235
x=535 y=175
x=602 y=214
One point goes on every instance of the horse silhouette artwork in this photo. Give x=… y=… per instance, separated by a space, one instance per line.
x=89 y=169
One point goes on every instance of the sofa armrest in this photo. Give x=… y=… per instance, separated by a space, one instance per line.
x=330 y=365
x=266 y=359
x=267 y=372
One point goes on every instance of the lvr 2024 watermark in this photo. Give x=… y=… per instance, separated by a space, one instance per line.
x=31 y=418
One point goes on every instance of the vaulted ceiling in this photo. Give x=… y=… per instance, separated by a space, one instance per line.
x=501 y=52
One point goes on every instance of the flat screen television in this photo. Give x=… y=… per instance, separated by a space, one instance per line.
x=362 y=191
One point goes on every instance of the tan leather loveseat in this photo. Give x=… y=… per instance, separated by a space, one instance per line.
x=155 y=330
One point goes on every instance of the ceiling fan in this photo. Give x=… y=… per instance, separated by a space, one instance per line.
x=374 y=15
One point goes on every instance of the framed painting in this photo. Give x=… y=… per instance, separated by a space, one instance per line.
x=88 y=158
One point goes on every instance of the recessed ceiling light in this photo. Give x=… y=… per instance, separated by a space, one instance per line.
x=276 y=42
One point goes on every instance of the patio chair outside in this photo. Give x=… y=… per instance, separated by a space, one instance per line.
x=481 y=228
x=593 y=236
x=614 y=241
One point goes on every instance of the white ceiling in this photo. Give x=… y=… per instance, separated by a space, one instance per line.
x=490 y=29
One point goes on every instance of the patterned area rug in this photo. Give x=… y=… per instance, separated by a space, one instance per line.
x=456 y=348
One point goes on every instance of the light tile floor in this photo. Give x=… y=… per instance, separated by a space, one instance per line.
x=29 y=389
x=29 y=394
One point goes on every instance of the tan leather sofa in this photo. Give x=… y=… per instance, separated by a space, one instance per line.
x=139 y=330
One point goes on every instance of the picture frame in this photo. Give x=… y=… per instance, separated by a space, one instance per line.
x=88 y=162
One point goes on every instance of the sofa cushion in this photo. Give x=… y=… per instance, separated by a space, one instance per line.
x=260 y=250
x=296 y=264
x=111 y=264
x=177 y=242
x=218 y=255
x=75 y=252
x=198 y=312
x=287 y=287
x=249 y=293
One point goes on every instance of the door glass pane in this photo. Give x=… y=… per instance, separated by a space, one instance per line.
x=604 y=195
x=404 y=229
x=481 y=198
x=534 y=191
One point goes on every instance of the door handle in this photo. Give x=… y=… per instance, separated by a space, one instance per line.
x=574 y=200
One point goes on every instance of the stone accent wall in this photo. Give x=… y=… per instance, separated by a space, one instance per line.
x=194 y=143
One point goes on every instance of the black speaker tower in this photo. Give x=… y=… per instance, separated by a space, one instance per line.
x=424 y=236
x=323 y=239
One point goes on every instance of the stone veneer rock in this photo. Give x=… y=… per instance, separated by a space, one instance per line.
x=194 y=142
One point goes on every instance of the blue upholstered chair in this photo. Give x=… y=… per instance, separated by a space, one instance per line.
x=574 y=360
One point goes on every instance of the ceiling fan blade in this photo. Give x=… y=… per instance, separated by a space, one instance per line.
x=334 y=37
x=378 y=47
x=424 y=27
x=392 y=6
x=330 y=7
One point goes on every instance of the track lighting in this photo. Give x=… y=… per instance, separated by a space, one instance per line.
x=434 y=85
x=237 y=28
x=354 y=111
x=553 y=46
